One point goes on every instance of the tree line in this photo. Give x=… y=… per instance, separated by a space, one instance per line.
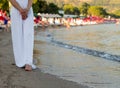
x=84 y=9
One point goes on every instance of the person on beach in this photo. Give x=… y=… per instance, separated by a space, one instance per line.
x=22 y=27
x=6 y=19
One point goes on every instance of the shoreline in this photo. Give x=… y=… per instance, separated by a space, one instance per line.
x=14 y=77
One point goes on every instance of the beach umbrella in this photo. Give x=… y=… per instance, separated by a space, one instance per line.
x=39 y=14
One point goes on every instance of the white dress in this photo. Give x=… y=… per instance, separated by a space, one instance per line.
x=22 y=36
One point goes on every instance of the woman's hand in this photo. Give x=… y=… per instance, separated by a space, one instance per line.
x=24 y=13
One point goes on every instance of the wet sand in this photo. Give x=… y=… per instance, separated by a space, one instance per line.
x=71 y=63
x=13 y=77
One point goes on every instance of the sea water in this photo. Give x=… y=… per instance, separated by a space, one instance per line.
x=82 y=54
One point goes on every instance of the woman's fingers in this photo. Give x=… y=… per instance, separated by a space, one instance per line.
x=24 y=17
x=24 y=14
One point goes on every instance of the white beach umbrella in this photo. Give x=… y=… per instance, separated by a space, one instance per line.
x=39 y=14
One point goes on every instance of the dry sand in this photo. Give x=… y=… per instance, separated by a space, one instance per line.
x=14 y=77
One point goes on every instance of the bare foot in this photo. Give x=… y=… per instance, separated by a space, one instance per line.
x=28 y=67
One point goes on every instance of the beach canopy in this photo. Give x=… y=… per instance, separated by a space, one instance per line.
x=48 y=15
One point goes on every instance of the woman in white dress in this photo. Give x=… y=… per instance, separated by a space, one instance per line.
x=22 y=33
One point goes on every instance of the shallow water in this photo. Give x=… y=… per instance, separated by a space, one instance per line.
x=104 y=37
x=82 y=68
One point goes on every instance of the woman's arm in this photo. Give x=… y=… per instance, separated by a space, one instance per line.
x=16 y=5
x=28 y=7
x=29 y=4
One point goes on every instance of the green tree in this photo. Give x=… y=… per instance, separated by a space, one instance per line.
x=40 y=6
x=36 y=7
x=34 y=1
x=84 y=8
x=68 y=9
x=76 y=11
x=52 y=8
x=4 y=5
x=97 y=11
x=117 y=13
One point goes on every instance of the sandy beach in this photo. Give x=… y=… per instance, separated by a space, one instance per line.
x=13 y=77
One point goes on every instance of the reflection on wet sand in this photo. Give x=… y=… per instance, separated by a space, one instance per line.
x=82 y=68
x=98 y=37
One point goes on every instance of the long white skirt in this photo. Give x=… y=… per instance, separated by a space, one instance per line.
x=22 y=35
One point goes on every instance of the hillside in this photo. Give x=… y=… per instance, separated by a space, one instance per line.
x=110 y=5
